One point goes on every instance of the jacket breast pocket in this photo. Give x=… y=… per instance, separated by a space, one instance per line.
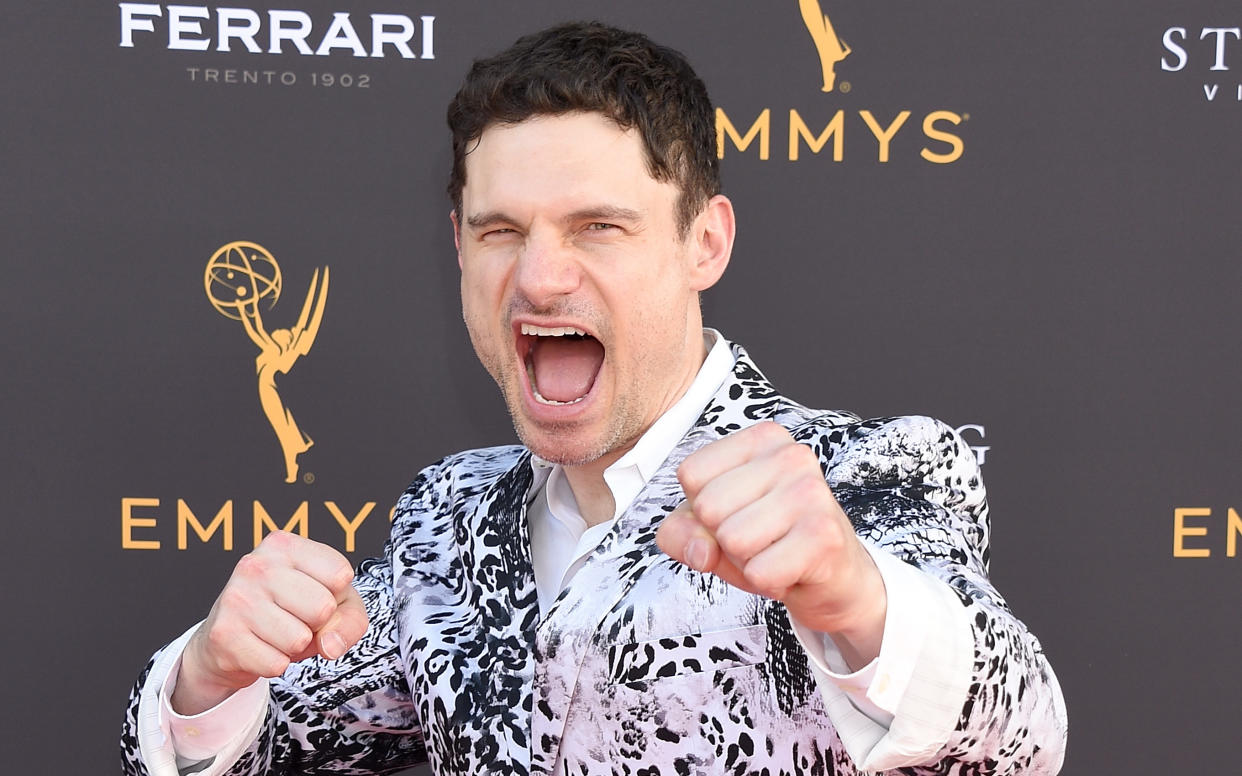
x=640 y=662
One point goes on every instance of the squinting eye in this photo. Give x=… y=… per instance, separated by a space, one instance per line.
x=599 y=227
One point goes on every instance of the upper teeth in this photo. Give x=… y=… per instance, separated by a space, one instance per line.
x=553 y=331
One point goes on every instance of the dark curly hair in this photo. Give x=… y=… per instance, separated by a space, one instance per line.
x=591 y=67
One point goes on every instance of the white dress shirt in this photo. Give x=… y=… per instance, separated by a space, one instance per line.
x=890 y=713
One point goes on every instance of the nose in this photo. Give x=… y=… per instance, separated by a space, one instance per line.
x=546 y=269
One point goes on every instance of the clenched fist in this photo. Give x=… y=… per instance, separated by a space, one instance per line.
x=288 y=600
x=759 y=515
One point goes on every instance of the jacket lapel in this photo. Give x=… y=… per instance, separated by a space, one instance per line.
x=508 y=608
x=502 y=513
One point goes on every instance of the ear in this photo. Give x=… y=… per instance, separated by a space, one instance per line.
x=711 y=242
x=456 y=235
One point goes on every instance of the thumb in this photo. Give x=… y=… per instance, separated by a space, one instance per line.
x=683 y=538
x=347 y=625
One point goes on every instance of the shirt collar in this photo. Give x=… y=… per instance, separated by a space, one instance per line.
x=627 y=476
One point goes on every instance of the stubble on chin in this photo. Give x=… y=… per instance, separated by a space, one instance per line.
x=563 y=443
x=556 y=443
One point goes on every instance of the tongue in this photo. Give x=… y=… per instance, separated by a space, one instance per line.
x=565 y=367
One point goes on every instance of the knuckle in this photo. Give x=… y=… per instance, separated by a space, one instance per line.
x=760 y=579
x=734 y=540
x=232 y=599
x=808 y=488
x=300 y=640
x=796 y=456
x=277 y=541
x=325 y=607
x=708 y=510
x=252 y=566
x=689 y=474
x=769 y=430
x=221 y=637
x=770 y=577
x=342 y=576
x=271 y=666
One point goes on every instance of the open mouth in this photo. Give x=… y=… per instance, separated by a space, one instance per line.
x=562 y=362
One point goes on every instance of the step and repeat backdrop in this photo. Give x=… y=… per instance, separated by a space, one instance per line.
x=1022 y=218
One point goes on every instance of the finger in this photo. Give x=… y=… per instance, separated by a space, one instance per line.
x=713 y=460
x=279 y=628
x=254 y=656
x=268 y=576
x=765 y=473
x=301 y=595
x=753 y=528
x=346 y=627
x=800 y=496
x=318 y=561
x=684 y=539
x=812 y=551
x=240 y=622
x=678 y=531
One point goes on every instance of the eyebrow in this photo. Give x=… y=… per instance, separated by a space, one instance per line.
x=600 y=213
x=490 y=218
x=604 y=213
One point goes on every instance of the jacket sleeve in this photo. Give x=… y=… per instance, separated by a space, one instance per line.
x=912 y=488
x=351 y=715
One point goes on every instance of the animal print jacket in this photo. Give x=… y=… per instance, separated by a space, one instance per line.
x=642 y=665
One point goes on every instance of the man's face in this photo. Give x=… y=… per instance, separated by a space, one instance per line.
x=579 y=292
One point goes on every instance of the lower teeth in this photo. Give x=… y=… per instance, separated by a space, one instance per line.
x=553 y=402
x=530 y=373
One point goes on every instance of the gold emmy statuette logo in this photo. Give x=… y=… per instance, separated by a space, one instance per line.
x=239 y=277
x=831 y=48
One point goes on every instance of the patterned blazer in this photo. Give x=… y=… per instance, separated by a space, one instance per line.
x=642 y=665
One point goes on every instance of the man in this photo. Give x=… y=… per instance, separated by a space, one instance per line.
x=680 y=571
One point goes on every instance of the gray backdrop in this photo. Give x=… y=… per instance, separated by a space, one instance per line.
x=1068 y=284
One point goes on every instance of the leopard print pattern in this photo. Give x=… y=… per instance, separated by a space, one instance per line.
x=642 y=666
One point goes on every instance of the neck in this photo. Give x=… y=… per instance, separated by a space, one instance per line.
x=595 y=499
